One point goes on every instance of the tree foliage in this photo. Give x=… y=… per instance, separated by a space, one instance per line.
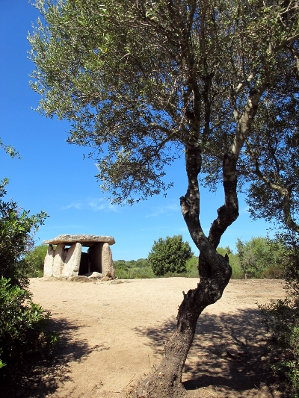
x=137 y=79
x=234 y=261
x=271 y=160
x=259 y=255
x=36 y=258
x=10 y=150
x=169 y=255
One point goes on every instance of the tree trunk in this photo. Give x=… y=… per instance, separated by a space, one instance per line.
x=166 y=381
x=214 y=272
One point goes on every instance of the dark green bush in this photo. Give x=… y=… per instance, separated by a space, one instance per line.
x=169 y=255
x=282 y=317
x=23 y=324
x=36 y=260
x=16 y=239
x=282 y=320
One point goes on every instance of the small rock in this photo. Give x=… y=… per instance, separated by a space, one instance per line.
x=94 y=275
x=79 y=278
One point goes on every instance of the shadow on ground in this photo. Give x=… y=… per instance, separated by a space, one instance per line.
x=229 y=354
x=40 y=375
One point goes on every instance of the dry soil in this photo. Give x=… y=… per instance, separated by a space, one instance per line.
x=112 y=335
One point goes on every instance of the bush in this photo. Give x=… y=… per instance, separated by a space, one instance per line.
x=191 y=267
x=16 y=239
x=282 y=317
x=259 y=255
x=169 y=255
x=282 y=320
x=133 y=269
x=273 y=272
x=36 y=260
x=23 y=324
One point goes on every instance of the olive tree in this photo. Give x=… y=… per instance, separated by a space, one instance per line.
x=144 y=82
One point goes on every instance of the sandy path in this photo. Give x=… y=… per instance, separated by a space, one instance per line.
x=113 y=333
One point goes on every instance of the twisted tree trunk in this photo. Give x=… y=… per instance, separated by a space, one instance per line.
x=214 y=271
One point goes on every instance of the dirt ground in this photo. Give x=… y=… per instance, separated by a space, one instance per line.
x=112 y=335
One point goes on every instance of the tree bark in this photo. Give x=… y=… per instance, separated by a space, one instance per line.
x=214 y=271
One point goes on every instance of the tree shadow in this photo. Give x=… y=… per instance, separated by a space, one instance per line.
x=40 y=374
x=229 y=353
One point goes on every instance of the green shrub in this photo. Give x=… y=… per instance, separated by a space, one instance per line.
x=23 y=324
x=259 y=255
x=36 y=260
x=133 y=269
x=282 y=320
x=16 y=239
x=282 y=317
x=191 y=268
x=274 y=271
x=169 y=255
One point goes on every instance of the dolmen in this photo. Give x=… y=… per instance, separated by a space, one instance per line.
x=68 y=260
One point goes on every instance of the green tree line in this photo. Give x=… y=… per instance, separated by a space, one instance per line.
x=259 y=257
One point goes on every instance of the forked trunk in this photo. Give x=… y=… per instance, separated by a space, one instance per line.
x=166 y=381
x=214 y=272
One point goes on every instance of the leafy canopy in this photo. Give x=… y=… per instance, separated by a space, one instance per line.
x=141 y=80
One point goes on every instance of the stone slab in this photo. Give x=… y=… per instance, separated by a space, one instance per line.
x=85 y=240
x=72 y=261
x=59 y=257
x=107 y=262
x=49 y=262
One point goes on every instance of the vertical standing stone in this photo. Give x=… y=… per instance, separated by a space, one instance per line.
x=59 y=258
x=72 y=261
x=48 y=262
x=107 y=263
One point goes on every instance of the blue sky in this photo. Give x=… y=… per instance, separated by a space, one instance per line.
x=52 y=175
